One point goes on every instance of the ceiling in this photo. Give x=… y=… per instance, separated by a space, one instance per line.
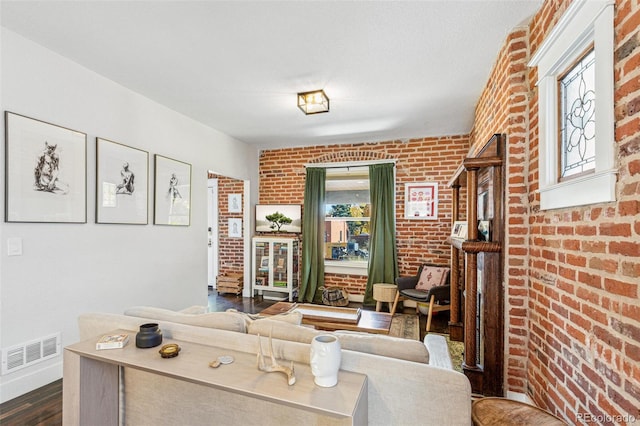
x=393 y=70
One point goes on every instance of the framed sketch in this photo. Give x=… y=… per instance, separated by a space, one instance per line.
x=459 y=230
x=122 y=183
x=46 y=172
x=172 y=200
x=235 y=228
x=421 y=200
x=234 y=203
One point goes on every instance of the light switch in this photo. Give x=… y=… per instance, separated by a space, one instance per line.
x=14 y=246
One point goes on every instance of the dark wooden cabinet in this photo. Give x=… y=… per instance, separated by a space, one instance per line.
x=477 y=264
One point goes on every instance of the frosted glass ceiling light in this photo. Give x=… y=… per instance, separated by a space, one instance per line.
x=313 y=102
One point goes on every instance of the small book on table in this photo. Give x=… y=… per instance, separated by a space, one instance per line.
x=112 y=341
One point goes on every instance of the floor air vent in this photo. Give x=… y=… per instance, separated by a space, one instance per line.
x=29 y=353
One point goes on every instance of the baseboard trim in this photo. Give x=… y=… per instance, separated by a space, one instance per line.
x=13 y=388
x=358 y=298
x=518 y=396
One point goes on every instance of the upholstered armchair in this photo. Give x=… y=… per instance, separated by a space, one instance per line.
x=430 y=285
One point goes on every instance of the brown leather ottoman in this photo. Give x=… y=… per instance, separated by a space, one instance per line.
x=502 y=411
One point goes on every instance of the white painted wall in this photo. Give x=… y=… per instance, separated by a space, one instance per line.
x=67 y=269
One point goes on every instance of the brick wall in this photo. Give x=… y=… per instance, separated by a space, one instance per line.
x=230 y=250
x=503 y=108
x=571 y=275
x=282 y=177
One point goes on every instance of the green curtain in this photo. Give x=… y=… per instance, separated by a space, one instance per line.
x=383 y=258
x=313 y=236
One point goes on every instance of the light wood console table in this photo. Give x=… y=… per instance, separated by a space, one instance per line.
x=92 y=379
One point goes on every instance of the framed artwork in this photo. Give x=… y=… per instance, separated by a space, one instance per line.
x=279 y=218
x=122 y=183
x=459 y=230
x=235 y=228
x=421 y=200
x=172 y=192
x=234 y=203
x=46 y=172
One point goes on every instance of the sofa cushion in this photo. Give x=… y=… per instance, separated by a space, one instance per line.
x=291 y=317
x=231 y=321
x=282 y=330
x=380 y=344
x=376 y=344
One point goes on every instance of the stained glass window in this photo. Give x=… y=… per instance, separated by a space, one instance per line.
x=578 y=118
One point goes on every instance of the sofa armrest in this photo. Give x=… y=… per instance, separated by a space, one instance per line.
x=442 y=292
x=439 y=355
x=195 y=310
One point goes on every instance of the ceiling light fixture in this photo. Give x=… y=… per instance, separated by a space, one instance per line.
x=313 y=102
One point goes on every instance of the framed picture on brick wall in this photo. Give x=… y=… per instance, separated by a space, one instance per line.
x=235 y=228
x=421 y=200
x=234 y=204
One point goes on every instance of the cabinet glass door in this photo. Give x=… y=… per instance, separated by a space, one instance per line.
x=262 y=263
x=280 y=272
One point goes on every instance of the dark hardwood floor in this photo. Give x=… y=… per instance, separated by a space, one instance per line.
x=222 y=302
x=43 y=406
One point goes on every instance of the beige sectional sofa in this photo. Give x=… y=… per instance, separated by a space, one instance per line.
x=409 y=382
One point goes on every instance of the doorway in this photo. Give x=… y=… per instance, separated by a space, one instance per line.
x=228 y=229
x=212 y=231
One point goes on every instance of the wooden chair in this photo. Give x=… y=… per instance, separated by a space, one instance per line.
x=437 y=296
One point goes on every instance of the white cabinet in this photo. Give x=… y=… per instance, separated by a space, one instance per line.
x=275 y=267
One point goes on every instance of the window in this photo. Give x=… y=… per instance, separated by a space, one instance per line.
x=578 y=118
x=347 y=209
x=577 y=151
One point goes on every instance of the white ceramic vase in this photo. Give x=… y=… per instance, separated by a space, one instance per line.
x=326 y=357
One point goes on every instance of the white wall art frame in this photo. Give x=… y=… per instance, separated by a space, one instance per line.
x=46 y=172
x=421 y=200
x=234 y=203
x=172 y=192
x=459 y=230
x=235 y=228
x=122 y=183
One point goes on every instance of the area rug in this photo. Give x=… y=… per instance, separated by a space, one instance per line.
x=406 y=326
x=456 y=350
